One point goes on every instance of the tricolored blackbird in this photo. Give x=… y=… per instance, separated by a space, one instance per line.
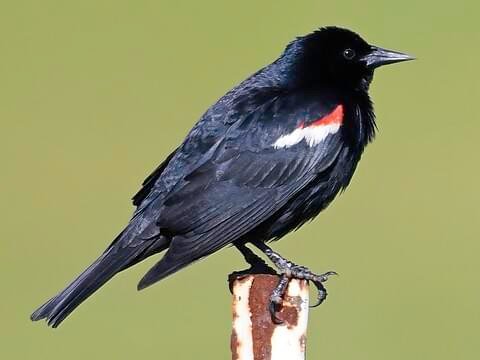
x=267 y=157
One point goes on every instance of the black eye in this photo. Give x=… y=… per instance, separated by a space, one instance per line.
x=349 y=54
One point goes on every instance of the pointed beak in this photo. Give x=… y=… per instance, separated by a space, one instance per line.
x=378 y=57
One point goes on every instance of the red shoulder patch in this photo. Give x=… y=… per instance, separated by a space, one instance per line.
x=335 y=117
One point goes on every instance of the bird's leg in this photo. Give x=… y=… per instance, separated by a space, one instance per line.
x=257 y=265
x=289 y=270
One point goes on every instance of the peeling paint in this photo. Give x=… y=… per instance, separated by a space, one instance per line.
x=254 y=335
x=241 y=342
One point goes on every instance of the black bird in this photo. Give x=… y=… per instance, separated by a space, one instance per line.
x=267 y=157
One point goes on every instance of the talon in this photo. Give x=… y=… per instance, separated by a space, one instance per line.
x=274 y=307
x=277 y=297
x=321 y=293
x=324 y=277
x=330 y=273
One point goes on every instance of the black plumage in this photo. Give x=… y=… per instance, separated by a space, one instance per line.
x=228 y=183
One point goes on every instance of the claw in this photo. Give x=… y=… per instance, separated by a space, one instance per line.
x=322 y=292
x=330 y=273
x=277 y=297
x=324 y=277
x=321 y=295
x=274 y=307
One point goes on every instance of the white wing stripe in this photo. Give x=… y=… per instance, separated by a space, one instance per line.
x=313 y=135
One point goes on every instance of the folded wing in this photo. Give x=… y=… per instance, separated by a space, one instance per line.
x=244 y=181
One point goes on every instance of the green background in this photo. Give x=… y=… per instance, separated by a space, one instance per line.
x=94 y=94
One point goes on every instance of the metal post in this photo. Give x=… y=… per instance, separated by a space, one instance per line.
x=254 y=335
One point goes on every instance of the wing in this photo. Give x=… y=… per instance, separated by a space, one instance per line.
x=149 y=183
x=261 y=162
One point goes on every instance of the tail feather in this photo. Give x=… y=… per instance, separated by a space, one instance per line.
x=103 y=269
x=159 y=271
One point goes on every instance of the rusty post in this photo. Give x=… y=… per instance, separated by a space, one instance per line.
x=254 y=335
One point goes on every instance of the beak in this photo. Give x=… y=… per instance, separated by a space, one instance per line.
x=378 y=57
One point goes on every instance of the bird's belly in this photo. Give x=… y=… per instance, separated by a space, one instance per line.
x=310 y=202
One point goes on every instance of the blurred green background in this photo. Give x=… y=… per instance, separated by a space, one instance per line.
x=94 y=94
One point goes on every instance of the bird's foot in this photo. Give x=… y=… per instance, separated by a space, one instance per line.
x=290 y=270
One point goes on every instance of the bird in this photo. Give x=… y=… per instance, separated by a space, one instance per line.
x=267 y=157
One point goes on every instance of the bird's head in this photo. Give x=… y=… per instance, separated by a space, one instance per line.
x=338 y=56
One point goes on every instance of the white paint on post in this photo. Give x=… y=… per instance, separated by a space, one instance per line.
x=242 y=321
x=289 y=342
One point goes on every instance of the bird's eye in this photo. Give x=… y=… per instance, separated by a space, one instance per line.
x=349 y=54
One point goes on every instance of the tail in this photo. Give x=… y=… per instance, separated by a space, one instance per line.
x=112 y=261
